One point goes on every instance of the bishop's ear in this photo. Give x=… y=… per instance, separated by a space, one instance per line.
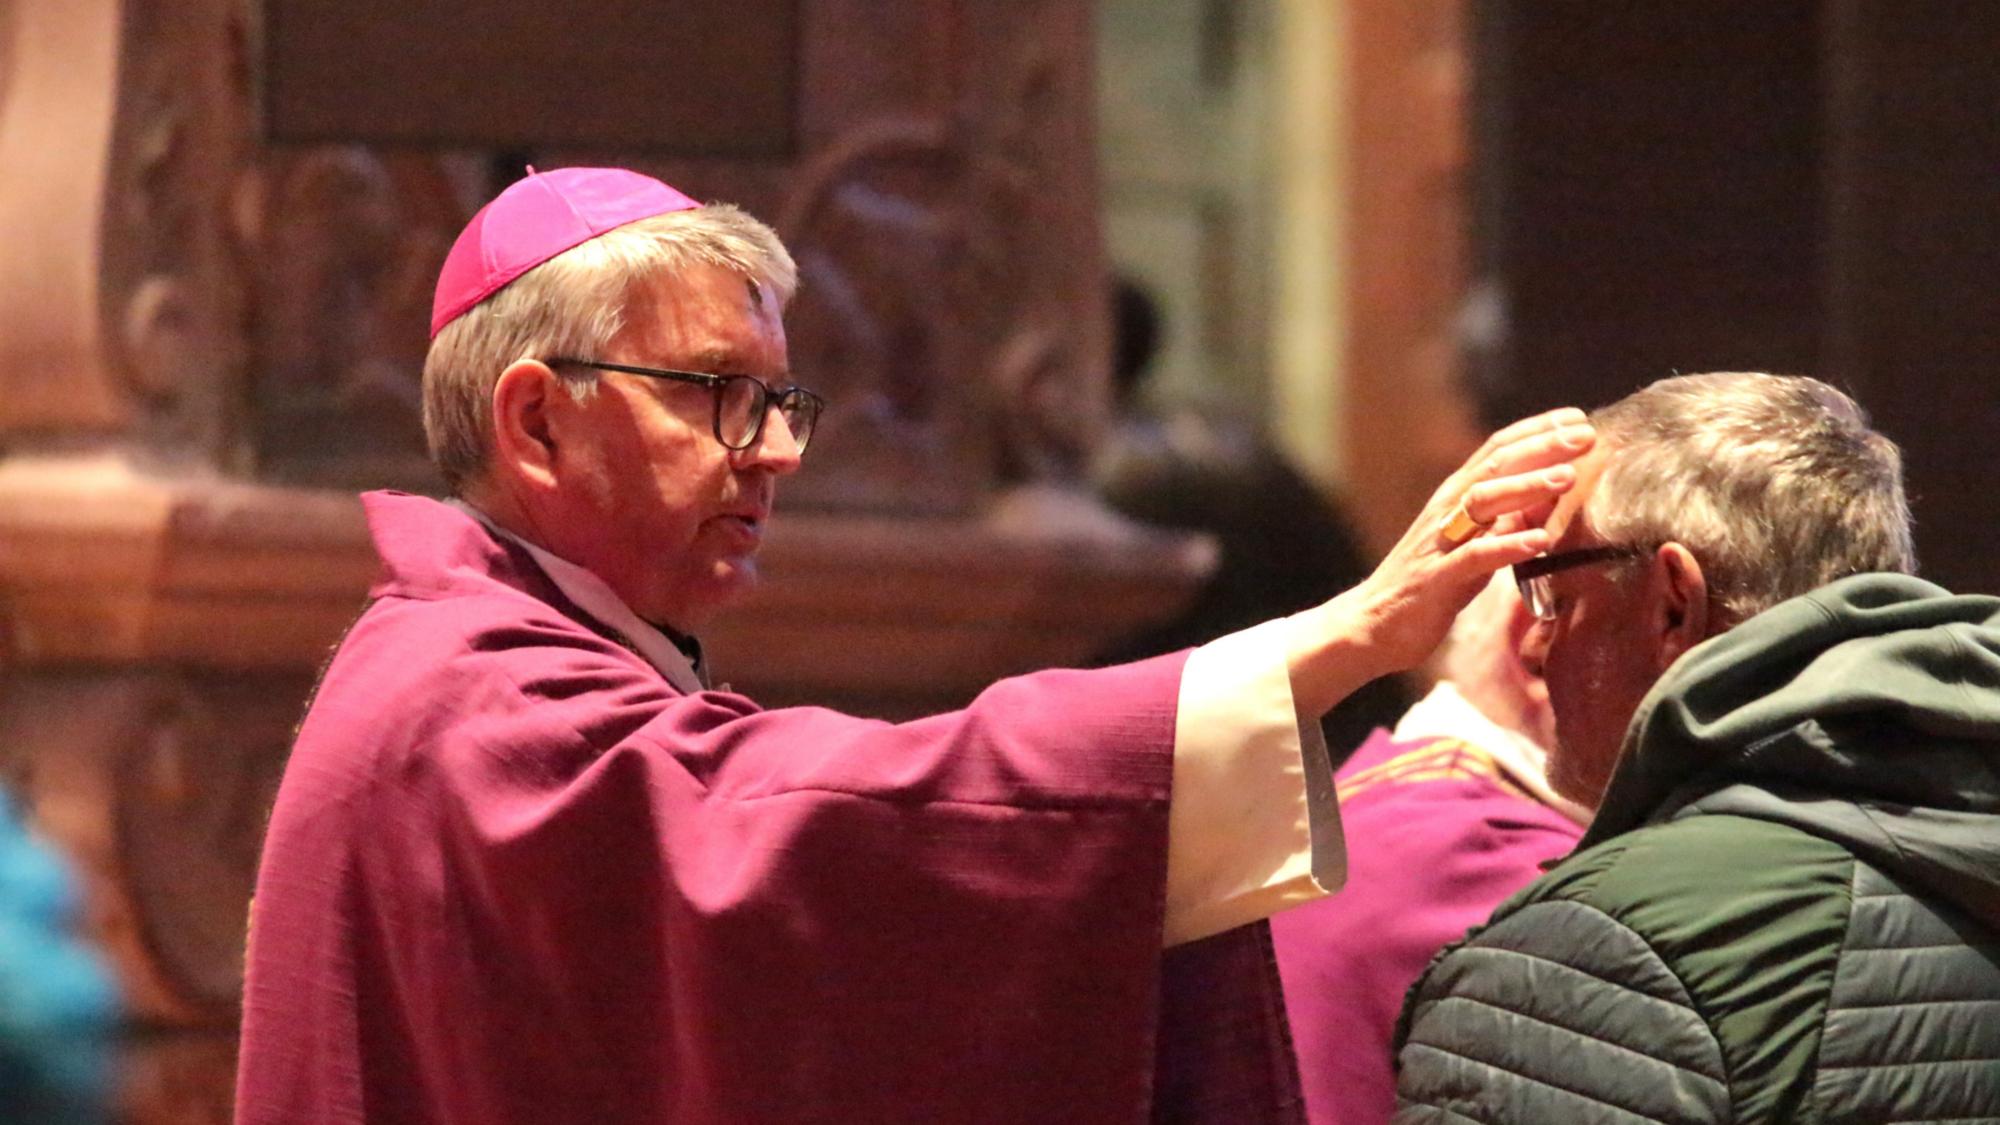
x=524 y=444
x=1684 y=612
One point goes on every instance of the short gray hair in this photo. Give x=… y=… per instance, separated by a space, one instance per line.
x=1775 y=483
x=574 y=305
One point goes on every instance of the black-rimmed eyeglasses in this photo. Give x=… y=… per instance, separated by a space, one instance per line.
x=1532 y=577
x=742 y=402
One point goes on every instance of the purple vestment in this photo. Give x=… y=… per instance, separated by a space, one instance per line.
x=1437 y=835
x=514 y=877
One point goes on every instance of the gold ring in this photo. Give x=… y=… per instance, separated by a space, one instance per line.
x=1461 y=527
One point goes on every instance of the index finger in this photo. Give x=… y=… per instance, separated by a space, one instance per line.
x=1531 y=450
x=1548 y=421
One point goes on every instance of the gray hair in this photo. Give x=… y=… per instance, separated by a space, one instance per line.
x=574 y=305
x=1775 y=483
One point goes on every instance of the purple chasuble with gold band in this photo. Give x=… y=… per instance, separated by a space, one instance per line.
x=1438 y=835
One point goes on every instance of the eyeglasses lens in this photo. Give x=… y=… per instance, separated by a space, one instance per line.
x=801 y=412
x=1540 y=600
x=739 y=407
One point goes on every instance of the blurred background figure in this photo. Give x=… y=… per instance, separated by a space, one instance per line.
x=1283 y=545
x=56 y=1002
x=1444 y=817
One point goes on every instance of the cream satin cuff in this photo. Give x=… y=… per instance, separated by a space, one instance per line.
x=1253 y=828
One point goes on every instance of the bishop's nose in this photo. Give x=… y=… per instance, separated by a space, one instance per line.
x=776 y=448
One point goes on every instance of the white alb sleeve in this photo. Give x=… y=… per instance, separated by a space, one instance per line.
x=1253 y=826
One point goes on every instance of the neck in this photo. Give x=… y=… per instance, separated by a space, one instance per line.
x=500 y=506
x=506 y=511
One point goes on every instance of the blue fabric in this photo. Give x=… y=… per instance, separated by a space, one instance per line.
x=57 y=1004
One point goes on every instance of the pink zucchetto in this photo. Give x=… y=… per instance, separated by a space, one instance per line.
x=536 y=218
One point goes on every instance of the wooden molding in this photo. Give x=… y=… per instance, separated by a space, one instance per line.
x=905 y=615
x=102 y=564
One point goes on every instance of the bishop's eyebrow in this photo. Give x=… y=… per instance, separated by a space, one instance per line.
x=720 y=361
x=725 y=361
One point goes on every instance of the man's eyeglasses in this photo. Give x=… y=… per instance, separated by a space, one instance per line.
x=742 y=402
x=1533 y=576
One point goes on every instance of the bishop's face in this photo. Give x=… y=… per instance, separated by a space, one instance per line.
x=676 y=518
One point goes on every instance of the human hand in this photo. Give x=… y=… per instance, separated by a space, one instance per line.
x=1484 y=516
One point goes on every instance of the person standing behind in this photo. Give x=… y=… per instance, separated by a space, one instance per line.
x=1283 y=543
x=1444 y=818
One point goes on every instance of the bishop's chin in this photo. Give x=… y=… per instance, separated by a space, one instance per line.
x=732 y=580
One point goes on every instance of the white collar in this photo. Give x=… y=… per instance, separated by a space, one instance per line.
x=593 y=596
x=1446 y=713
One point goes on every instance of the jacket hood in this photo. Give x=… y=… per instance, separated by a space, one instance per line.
x=1867 y=712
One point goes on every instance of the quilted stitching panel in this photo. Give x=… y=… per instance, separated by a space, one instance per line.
x=1526 y=1024
x=1913 y=1027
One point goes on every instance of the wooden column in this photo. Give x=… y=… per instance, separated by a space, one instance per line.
x=1407 y=418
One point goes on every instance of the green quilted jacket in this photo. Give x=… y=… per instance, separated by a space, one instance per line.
x=1788 y=909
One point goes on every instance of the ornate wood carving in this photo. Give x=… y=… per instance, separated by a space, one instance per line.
x=192 y=787
x=346 y=244
x=953 y=279
x=172 y=285
x=120 y=306
x=942 y=217
x=155 y=786
x=195 y=327
x=159 y=803
x=910 y=292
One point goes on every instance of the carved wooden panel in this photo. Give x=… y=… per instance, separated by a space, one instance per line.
x=345 y=244
x=174 y=285
x=942 y=212
x=613 y=75
x=192 y=791
x=195 y=324
x=121 y=130
x=157 y=786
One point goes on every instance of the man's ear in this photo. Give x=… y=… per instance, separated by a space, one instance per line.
x=524 y=443
x=1684 y=617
